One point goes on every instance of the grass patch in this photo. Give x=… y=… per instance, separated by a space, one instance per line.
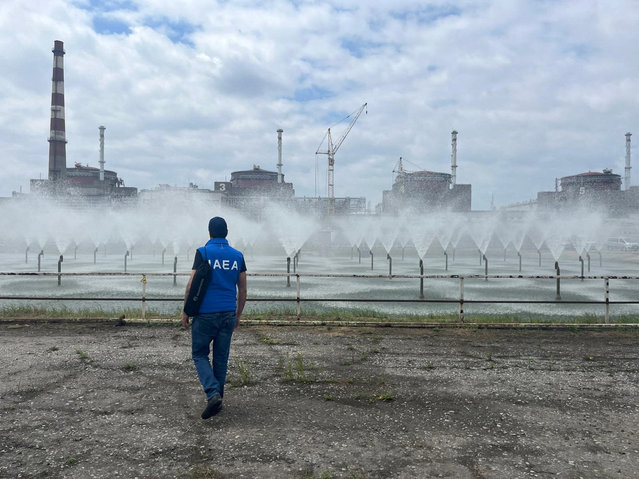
x=129 y=368
x=202 y=471
x=83 y=355
x=244 y=376
x=296 y=369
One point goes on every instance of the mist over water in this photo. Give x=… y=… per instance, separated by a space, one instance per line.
x=177 y=224
x=161 y=236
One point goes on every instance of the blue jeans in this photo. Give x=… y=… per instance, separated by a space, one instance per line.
x=216 y=328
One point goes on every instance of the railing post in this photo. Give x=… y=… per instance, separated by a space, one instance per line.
x=40 y=255
x=607 y=295
x=539 y=253
x=588 y=256
x=485 y=267
x=446 y=256
x=143 y=296
x=581 y=260
x=125 y=257
x=299 y=300
x=519 y=254
x=390 y=266
x=558 y=297
x=163 y=251
x=60 y=270
x=461 y=299
x=26 y=255
x=371 y=253
x=288 y=271
x=359 y=253
x=480 y=257
x=421 y=279
x=174 y=271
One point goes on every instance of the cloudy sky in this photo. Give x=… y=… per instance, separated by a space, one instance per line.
x=191 y=91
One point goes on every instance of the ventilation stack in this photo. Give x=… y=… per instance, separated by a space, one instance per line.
x=628 y=167
x=280 y=178
x=453 y=159
x=57 y=138
x=101 y=128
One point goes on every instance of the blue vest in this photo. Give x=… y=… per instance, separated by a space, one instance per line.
x=226 y=264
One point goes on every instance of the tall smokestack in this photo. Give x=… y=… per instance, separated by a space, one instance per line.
x=101 y=128
x=280 y=179
x=57 y=138
x=453 y=159
x=628 y=167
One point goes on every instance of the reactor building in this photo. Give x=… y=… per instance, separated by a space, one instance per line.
x=423 y=191
x=597 y=190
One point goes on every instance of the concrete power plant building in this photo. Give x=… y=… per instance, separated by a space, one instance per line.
x=80 y=185
x=422 y=191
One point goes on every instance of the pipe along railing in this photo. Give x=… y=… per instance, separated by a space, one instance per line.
x=299 y=300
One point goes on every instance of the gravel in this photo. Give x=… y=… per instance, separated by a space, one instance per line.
x=100 y=400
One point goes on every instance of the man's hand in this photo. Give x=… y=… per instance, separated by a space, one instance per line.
x=237 y=321
x=185 y=321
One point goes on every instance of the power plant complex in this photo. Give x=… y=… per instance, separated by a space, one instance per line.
x=252 y=189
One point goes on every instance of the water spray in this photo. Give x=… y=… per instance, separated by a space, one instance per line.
x=40 y=255
x=558 y=297
x=26 y=255
x=60 y=270
x=131 y=249
x=390 y=265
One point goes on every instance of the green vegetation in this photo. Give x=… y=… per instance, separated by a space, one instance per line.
x=129 y=367
x=244 y=377
x=54 y=348
x=296 y=369
x=202 y=471
x=83 y=355
x=311 y=312
x=71 y=461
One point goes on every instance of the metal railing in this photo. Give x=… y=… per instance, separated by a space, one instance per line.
x=298 y=299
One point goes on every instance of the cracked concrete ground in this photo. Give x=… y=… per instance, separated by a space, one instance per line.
x=98 y=400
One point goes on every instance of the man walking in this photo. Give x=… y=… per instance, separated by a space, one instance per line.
x=219 y=314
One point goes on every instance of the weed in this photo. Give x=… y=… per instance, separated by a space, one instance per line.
x=82 y=354
x=54 y=348
x=71 y=461
x=295 y=369
x=328 y=397
x=382 y=397
x=202 y=471
x=129 y=367
x=244 y=377
x=266 y=340
x=589 y=357
x=429 y=366
x=489 y=357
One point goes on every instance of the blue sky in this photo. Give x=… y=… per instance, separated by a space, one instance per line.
x=191 y=91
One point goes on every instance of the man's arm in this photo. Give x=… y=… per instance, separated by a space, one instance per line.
x=241 y=297
x=185 y=318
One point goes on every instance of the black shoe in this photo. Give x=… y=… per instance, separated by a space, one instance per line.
x=213 y=406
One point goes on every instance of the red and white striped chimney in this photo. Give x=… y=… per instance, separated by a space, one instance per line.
x=57 y=138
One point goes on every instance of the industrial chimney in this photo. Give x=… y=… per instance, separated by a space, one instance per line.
x=628 y=167
x=101 y=128
x=453 y=159
x=280 y=179
x=57 y=138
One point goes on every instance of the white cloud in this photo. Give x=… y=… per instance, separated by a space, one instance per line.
x=537 y=90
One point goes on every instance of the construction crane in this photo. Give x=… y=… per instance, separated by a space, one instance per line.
x=331 y=149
